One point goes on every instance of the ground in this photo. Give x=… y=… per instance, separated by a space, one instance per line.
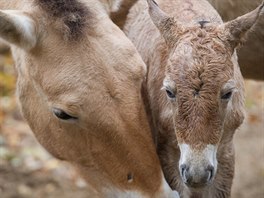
x=28 y=171
x=249 y=146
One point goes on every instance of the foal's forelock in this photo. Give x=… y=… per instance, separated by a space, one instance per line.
x=74 y=14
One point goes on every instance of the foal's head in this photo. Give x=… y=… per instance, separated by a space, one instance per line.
x=204 y=88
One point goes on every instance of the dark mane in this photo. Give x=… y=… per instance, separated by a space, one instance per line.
x=73 y=13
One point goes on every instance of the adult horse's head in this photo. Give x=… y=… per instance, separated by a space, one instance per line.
x=79 y=84
x=73 y=64
x=204 y=87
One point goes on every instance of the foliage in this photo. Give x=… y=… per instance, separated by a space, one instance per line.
x=7 y=77
x=7 y=85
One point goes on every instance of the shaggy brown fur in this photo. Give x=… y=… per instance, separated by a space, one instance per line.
x=197 y=65
x=195 y=91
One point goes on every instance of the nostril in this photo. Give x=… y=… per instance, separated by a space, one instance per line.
x=183 y=169
x=210 y=170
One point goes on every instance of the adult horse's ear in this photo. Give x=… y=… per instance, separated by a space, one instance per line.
x=236 y=30
x=167 y=25
x=18 y=28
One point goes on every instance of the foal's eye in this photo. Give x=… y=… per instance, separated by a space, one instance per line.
x=170 y=94
x=226 y=96
x=62 y=115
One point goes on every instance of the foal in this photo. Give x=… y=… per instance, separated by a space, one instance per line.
x=194 y=90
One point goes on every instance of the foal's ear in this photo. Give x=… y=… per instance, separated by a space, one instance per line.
x=167 y=25
x=235 y=30
x=18 y=28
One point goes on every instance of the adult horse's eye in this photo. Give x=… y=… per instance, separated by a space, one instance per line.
x=63 y=115
x=170 y=94
x=226 y=96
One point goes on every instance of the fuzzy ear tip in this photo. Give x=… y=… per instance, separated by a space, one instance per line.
x=18 y=29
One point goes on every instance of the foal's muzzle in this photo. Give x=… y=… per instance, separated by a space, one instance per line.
x=197 y=167
x=197 y=177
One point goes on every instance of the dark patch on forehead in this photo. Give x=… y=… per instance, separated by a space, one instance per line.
x=202 y=23
x=73 y=14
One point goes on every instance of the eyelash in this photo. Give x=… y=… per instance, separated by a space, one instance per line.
x=59 y=113
x=227 y=95
x=170 y=94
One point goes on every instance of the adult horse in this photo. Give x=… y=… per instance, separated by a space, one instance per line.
x=79 y=82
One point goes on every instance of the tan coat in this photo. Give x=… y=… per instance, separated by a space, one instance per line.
x=79 y=82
